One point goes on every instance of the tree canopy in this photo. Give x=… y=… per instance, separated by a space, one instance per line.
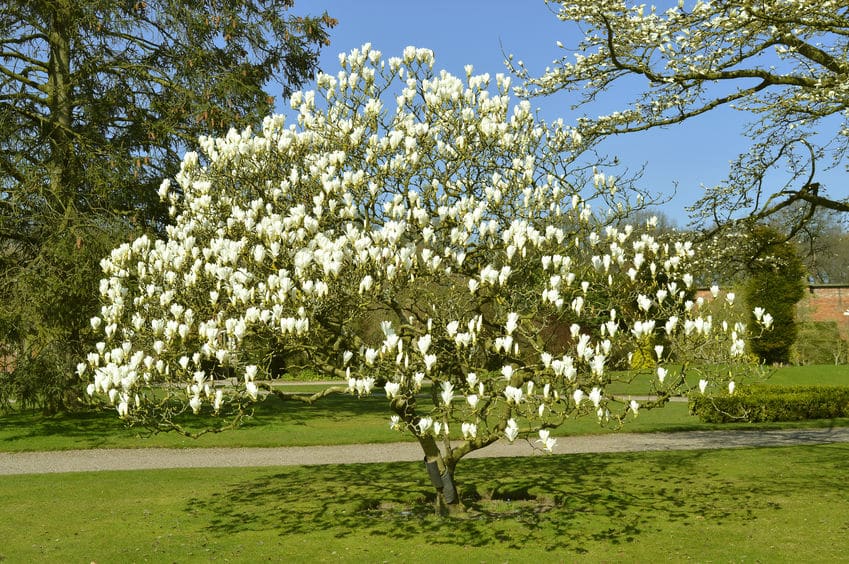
x=98 y=101
x=413 y=231
x=783 y=62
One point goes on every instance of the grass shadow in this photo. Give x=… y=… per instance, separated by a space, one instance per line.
x=560 y=502
x=100 y=427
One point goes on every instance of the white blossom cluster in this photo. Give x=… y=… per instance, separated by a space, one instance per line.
x=428 y=207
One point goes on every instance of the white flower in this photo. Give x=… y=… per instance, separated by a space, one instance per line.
x=634 y=406
x=391 y=389
x=470 y=430
x=547 y=441
x=451 y=328
x=513 y=395
x=472 y=399
x=578 y=396
x=512 y=322
x=702 y=385
x=507 y=371
x=424 y=424
x=767 y=320
x=418 y=377
x=429 y=360
x=370 y=356
x=738 y=346
x=758 y=312
x=595 y=396
x=123 y=408
x=252 y=390
x=423 y=343
x=366 y=283
x=661 y=373
x=447 y=392
x=731 y=387
x=364 y=385
x=195 y=404
x=511 y=431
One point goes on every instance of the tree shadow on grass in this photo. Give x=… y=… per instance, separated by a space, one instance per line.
x=89 y=428
x=98 y=426
x=559 y=502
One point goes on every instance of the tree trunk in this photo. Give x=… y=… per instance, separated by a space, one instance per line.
x=440 y=469
x=59 y=125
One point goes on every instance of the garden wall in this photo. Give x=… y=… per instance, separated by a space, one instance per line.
x=826 y=302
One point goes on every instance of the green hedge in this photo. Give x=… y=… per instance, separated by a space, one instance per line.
x=760 y=403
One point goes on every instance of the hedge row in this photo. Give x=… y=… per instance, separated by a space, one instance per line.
x=760 y=403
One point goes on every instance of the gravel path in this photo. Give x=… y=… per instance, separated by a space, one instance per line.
x=156 y=458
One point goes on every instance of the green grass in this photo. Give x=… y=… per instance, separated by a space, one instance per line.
x=339 y=419
x=336 y=420
x=823 y=375
x=819 y=375
x=761 y=505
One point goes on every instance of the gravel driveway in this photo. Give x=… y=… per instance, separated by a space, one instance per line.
x=156 y=458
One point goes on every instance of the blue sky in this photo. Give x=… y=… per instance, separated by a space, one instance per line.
x=480 y=32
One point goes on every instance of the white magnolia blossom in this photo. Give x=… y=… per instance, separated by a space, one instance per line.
x=411 y=230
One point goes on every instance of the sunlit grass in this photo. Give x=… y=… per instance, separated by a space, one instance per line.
x=754 y=505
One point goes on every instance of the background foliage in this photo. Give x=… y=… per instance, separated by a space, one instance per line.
x=98 y=100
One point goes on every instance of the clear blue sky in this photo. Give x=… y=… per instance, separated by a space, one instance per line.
x=480 y=32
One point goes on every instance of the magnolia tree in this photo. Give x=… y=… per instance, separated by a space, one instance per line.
x=782 y=61
x=414 y=235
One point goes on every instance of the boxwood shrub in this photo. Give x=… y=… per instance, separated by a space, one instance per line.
x=758 y=403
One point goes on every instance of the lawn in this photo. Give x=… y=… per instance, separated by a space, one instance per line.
x=762 y=505
x=340 y=419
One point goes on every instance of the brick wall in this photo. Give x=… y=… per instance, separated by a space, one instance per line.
x=826 y=303
x=820 y=303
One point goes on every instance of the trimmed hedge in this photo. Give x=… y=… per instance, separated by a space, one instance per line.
x=759 y=403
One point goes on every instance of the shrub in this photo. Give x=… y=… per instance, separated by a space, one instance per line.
x=776 y=283
x=819 y=342
x=759 y=403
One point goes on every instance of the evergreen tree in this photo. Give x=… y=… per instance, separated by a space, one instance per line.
x=776 y=283
x=98 y=98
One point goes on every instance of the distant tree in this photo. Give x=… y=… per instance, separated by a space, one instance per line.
x=823 y=244
x=782 y=61
x=98 y=100
x=776 y=282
